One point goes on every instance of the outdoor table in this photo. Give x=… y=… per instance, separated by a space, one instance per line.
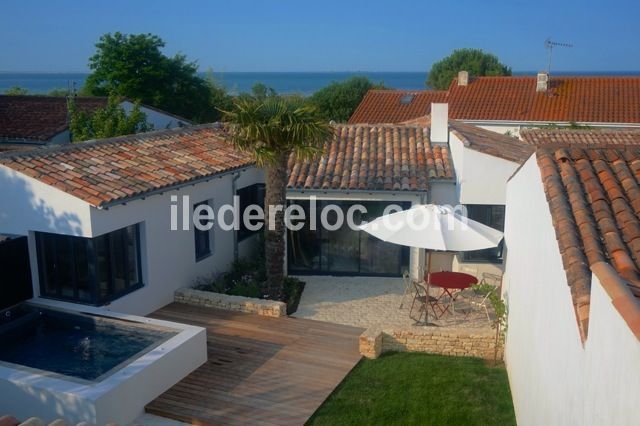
x=451 y=284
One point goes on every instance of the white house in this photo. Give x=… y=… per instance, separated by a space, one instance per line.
x=118 y=194
x=105 y=207
x=34 y=121
x=572 y=279
x=408 y=163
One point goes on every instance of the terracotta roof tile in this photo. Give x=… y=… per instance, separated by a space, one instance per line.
x=388 y=106
x=114 y=170
x=375 y=158
x=39 y=118
x=569 y=99
x=491 y=143
x=591 y=192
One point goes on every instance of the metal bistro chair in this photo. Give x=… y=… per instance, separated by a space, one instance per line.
x=481 y=300
x=408 y=288
x=424 y=300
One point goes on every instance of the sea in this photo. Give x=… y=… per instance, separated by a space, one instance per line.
x=305 y=83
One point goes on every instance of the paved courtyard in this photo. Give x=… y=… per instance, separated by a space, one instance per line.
x=372 y=301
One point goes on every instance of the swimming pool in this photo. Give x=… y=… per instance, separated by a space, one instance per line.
x=72 y=344
x=89 y=364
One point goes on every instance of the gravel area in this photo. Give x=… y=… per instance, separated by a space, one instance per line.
x=372 y=301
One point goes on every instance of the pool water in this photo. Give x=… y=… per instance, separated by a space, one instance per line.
x=77 y=345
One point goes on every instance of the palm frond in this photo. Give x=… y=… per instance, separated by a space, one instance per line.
x=277 y=126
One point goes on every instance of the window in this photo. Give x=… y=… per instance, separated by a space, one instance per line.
x=252 y=194
x=89 y=270
x=490 y=215
x=407 y=99
x=344 y=251
x=202 y=236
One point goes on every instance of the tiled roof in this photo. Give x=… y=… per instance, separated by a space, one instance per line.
x=577 y=99
x=491 y=143
x=6 y=147
x=374 y=158
x=569 y=99
x=584 y=136
x=387 y=106
x=114 y=170
x=39 y=118
x=593 y=191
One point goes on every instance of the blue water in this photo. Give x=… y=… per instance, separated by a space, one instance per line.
x=74 y=345
x=304 y=83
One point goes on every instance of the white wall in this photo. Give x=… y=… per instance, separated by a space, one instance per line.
x=30 y=205
x=481 y=178
x=156 y=118
x=554 y=379
x=168 y=257
x=612 y=365
x=543 y=353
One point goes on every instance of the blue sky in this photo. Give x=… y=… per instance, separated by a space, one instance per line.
x=326 y=35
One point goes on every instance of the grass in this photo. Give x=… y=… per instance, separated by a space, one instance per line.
x=420 y=389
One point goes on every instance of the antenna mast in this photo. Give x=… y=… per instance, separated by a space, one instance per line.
x=549 y=45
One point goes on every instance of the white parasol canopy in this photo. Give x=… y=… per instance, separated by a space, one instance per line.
x=435 y=228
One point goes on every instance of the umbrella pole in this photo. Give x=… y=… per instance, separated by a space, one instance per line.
x=426 y=308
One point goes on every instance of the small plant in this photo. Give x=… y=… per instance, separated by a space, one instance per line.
x=499 y=309
x=246 y=277
x=498 y=305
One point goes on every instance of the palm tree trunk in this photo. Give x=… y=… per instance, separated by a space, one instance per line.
x=276 y=178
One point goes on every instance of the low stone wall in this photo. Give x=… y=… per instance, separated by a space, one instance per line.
x=268 y=308
x=375 y=341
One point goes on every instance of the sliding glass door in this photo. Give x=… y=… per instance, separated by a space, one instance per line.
x=89 y=270
x=343 y=251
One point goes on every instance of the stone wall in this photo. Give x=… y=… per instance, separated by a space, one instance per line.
x=268 y=308
x=375 y=341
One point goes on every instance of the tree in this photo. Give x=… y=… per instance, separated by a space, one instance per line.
x=261 y=91
x=134 y=66
x=16 y=91
x=110 y=121
x=219 y=99
x=476 y=61
x=272 y=130
x=338 y=100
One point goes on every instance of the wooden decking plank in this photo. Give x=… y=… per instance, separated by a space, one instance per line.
x=259 y=370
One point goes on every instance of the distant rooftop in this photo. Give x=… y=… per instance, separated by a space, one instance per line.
x=566 y=99
x=39 y=118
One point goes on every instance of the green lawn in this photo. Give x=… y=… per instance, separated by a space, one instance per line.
x=420 y=389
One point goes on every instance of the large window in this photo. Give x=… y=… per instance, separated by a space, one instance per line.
x=89 y=270
x=249 y=195
x=490 y=215
x=202 y=236
x=344 y=251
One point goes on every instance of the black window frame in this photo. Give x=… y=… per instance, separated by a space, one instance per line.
x=251 y=194
x=199 y=236
x=320 y=241
x=73 y=242
x=484 y=213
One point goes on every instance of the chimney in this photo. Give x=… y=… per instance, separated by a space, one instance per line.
x=542 y=82
x=440 y=123
x=463 y=78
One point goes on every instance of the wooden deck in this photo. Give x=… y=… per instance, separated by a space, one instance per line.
x=269 y=371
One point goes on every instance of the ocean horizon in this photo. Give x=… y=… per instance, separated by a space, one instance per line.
x=286 y=82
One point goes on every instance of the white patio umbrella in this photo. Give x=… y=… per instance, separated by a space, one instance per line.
x=433 y=227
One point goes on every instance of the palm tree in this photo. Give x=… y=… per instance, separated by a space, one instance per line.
x=272 y=129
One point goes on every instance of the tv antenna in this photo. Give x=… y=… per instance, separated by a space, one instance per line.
x=549 y=45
